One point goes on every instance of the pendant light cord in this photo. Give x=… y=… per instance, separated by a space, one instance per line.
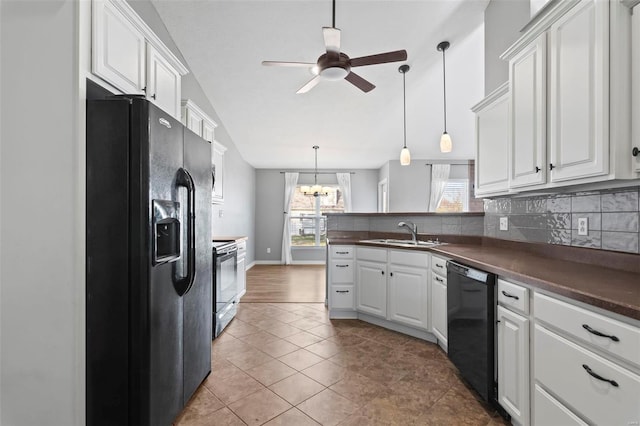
x=315 y=175
x=404 y=100
x=333 y=22
x=444 y=88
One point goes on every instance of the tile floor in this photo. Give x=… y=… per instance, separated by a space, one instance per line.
x=288 y=364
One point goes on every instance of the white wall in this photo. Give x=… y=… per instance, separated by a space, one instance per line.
x=503 y=20
x=42 y=216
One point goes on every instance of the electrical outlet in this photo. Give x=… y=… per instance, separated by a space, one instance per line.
x=504 y=223
x=583 y=226
x=220 y=213
x=268 y=249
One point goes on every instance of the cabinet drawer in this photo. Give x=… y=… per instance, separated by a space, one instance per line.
x=548 y=411
x=439 y=265
x=342 y=297
x=409 y=258
x=569 y=371
x=513 y=296
x=342 y=252
x=583 y=324
x=438 y=279
x=374 y=255
x=242 y=245
x=342 y=271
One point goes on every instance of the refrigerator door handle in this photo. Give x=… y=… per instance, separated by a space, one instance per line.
x=183 y=284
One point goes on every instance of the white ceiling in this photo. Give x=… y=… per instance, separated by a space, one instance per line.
x=224 y=43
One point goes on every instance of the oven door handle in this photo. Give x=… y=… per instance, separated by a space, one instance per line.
x=184 y=284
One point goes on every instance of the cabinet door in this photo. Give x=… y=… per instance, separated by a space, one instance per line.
x=371 y=288
x=492 y=137
x=163 y=83
x=118 y=53
x=217 y=169
x=193 y=120
x=408 y=296
x=513 y=364
x=527 y=133
x=208 y=129
x=635 y=84
x=242 y=276
x=439 y=307
x=579 y=90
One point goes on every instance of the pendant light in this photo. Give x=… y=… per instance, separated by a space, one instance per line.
x=405 y=155
x=445 y=139
x=315 y=190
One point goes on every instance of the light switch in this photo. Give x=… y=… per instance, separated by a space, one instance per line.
x=583 y=226
x=504 y=223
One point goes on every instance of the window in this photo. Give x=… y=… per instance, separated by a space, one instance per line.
x=307 y=225
x=455 y=197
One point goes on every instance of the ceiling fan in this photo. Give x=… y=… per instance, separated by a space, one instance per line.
x=335 y=65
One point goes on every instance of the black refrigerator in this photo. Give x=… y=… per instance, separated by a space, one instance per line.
x=148 y=263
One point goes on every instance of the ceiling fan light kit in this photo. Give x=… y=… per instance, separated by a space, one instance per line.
x=445 y=140
x=405 y=155
x=335 y=65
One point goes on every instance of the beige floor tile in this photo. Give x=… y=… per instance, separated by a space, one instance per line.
x=300 y=359
x=327 y=408
x=303 y=339
x=259 y=407
x=270 y=372
x=359 y=389
x=384 y=412
x=249 y=359
x=203 y=403
x=282 y=330
x=287 y=317
x=222 y=417
x=293 y=417
x=234 y=387
x=296 y=388
x=278 y=348
x=259 y=338
x=324 y=348
x=325 y=372
x=305 y=323
x=239 y=328
x=323 y=331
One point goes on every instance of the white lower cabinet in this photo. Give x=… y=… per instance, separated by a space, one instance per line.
x=513 y=364
x=439 y=300
x=241 y=276
x=548 y=411
x=408 y=288
x=341 y=287
x=372 y=287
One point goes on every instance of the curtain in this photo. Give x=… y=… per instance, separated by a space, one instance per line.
x=290 y=183
x=439 y=178
x=344 y=181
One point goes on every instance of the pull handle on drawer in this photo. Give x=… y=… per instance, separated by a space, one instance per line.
x=342 y=291
x=342 y=266
x=439 y=279
x=599 y=377
x=342 y=252
x=504 y=293
x=597 y=333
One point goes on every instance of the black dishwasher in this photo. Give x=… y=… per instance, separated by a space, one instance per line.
x=470 y=323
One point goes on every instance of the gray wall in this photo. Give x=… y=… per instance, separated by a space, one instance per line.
x=269 y=187
x=503 y=20
x=613 y=217
x=41 y=216
x=236 y=217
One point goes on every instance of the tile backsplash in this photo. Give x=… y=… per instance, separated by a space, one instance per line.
x=613 y=219
x=427 y=224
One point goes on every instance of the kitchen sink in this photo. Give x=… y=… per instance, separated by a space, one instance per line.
x=403 y=243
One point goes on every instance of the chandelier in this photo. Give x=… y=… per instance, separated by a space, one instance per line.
x=315 y=190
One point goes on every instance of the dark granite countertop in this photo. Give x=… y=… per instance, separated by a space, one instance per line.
x=237 y=239
x=605 y=279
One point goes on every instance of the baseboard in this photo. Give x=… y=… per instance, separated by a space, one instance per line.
x=267 y=262
x=249 y=266
x=308 y=262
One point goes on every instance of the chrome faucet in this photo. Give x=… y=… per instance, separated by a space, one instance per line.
x=413 y=228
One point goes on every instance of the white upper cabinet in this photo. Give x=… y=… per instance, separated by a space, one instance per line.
x=570 y=97
x=127 y=54
x=163 y=82
x=119 y=48
x=196 y=120
x=579 y=92
x=635 y=86
x=492 y=137
x=527 y=139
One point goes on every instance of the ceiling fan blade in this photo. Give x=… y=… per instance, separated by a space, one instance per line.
x=289 y=64
x=380 y=58
x=331 y=39
x=310 y=85
x=359 y=82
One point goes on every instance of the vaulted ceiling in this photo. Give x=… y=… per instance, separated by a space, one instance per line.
x=224 y=43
